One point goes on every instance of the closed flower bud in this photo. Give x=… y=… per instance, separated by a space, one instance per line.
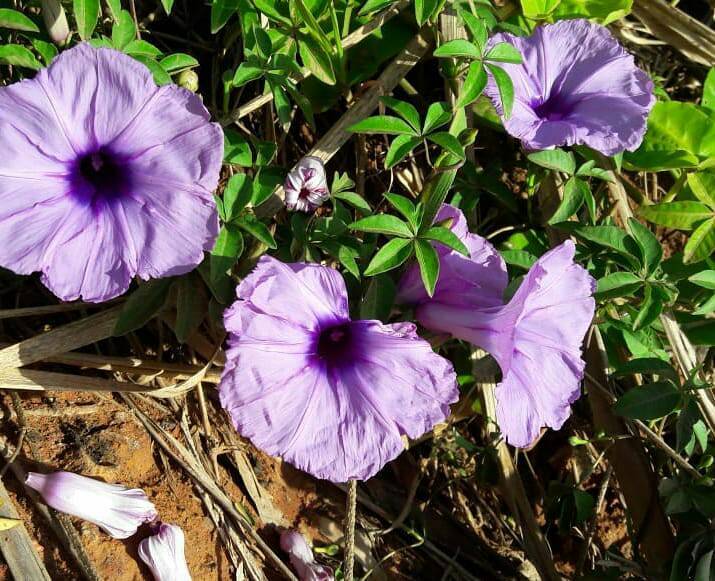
x=301 y=557
x=189 y=80
x=117 y=510
x=163 y=553
x=55 y=20
x=306 y=187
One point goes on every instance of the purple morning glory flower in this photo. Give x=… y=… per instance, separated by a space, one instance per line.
x=333 y=397
x=163 y=553
x=117 y=510
x=306 y=186
x=104 y=176
x=576 y=85
x=301 y=557
x=536 y=338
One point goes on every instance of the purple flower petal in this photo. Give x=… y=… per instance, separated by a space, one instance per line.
x=301 y=557
x=576 y=85
x=117 y=510
x=163 y=553
x=104 y=176
x=306 y=185
x=331 y=396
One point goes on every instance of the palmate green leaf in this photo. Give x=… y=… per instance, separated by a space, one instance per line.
x=538 y=9
x=221 y=11
x=316 y=60
x=404 y=110
x=378 y=299
x=264 y=184
x=271 y=9
x=142 y=305
x=383 y=124
x=650 y=309
x=123 y=31
x=177 y=62
x=355 y=200
x=702 y=184
x=257 y=229
x=505 y=87
x=247 y=72
x=438 y=114
x=681 y=215
x=617 y=284
x=86 y=13
x=383 y=224
x=575 y=191
x=446 y=237
x=16 y=21
x=503 y=52
x=236 y=195
x=236 y=148
x=705 y=279
x=701 y=243
x=651 y=250
x=648 y=402
x=555 y=159
x=19 y=56
x=477 y=28
x=458 y=48
x=404 y=206
x=428 y=261
x=448 y=142
x=474 y=84
x=391 y=255
x=400 y=147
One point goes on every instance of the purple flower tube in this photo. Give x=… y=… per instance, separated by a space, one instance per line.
x=163 y=553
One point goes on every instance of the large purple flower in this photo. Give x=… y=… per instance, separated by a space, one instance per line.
x=332 y=396
x=576 y=85
x=536 y=338
x=104 y=175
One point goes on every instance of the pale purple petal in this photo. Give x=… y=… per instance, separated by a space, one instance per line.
x=576 y=85
x=163 y=553
x=117 y=510
x=478 y=280
x=306 y=185
x=104 y=176
x=331 y=396
x=302 y=560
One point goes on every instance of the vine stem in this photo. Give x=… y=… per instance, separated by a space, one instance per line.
x=351 y=509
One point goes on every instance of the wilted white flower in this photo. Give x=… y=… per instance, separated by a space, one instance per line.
x=117 y=510
x=163 y=553
x=306 y=186
x=301 y=557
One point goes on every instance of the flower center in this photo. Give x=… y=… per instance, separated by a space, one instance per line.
x=553 y=108
x=99 y=175
x=334 y=342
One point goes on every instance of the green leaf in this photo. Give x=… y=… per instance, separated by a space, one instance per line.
x=168 y=5
x=317 y=61
x=115 y=7
x=519 y=258
x=142 y=305
x=448 y=142
x=346 y=256
x=474 y=84
x=404 y=110
x=123 y=31
x=221 y=11
x=354 y=200
x=404 y=206
x=575 y=191
x=236 y=195
x=236 y=148
x=378 y=299
x=245 y=73
x=447 y=237
x=701 y=243
x=438 y=114
x=681 y=215
x=399 y=148
x=19 y=56
x=609 y=236
x=383 y=124
x=703 y=186
x=383 y=224
x=458 y=48
x=648 y=402
x=86 y=13
x=505 y=86
x=428 y=261
x=538 y=9
x=374 y=6
x=705 y=279
x=603 y=11
x=651 y=250
x=227 y=250
x=477 y=28
x=708 y=100
x=257 y=229
x=177 y=62
x=647 y=366
x=390 y=256
x=161 y=77
x=264 y=184
x=142 y=48
x=47 y=50
x=16 y=21
x=503 y=52
x=556 y=159
x=191 y=306
x=424 y=10
x=618 y=284
x=650 y=309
